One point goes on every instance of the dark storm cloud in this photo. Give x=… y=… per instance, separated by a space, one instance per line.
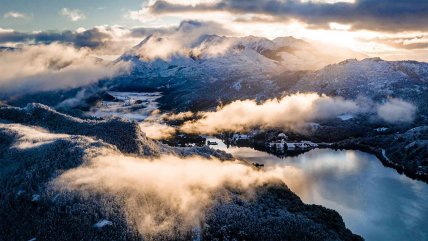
x=92 y=38
x=97 y=38
x=183 y=27
x=142 y=32
x=385 y=15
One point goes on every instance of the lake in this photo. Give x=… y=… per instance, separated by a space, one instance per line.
x=375 y=202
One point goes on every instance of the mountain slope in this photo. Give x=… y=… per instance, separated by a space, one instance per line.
x=370 y=77
x=33 y=197
x=211 y=68
x=374 y=78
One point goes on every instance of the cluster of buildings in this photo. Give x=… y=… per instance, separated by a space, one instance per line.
x=282 y=144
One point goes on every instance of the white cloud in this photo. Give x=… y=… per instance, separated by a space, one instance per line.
x=30 y=137
x=14 y=14
x=293 y=112
x=50 y=67
x=73 y=14
x=164 y=195
x=157 y=131
x=3 y=30
x=178 y=41
x=396 y=111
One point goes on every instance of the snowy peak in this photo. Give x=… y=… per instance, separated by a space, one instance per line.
x=257 y=44
x=289 y=41
x=270 y=56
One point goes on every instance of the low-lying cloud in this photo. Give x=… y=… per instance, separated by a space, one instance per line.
x=115 y=40
x=293 y=112
x=289 y=112
x=51 y=67
x=178 y=116
x=166 y=196
x=156 y=130
x=154 y=125
x=180 y=41
x=29 y=137
x=397 y=111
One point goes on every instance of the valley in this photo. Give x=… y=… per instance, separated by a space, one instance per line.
x=201 y=136
x=318 y=174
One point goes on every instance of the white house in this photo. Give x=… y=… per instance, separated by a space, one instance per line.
x=291 y=146
x=283 y=136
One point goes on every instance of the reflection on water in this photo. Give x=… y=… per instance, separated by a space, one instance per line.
x=374 y=201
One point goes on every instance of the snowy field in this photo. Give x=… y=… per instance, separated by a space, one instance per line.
x=128 y=105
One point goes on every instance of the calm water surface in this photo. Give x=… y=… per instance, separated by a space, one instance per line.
x=375 y=202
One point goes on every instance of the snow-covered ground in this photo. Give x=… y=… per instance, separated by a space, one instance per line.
x=103 y=223
x=345 y=117
x=129 y=105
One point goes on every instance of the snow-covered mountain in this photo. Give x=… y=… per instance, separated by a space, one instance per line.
x=373 y=78
x=217 y=67
x=370 y=77
x=166 y=56
x=210 y=69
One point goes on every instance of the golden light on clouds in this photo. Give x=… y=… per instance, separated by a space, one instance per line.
x=373 y=35
x=258 y=24
x=340 y=35
x=338 y=26
x=328 y=1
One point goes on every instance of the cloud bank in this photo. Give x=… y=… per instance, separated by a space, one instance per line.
x=108 y=39
x=293 y=112
x=181 y=40
x=396 y=111
x=167 y=195
x=156 y=130
x=289 y=112
x=385 y=15
x=111 y=40
x=51 y=67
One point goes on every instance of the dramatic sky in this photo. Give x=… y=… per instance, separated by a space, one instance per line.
x=391 y=29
